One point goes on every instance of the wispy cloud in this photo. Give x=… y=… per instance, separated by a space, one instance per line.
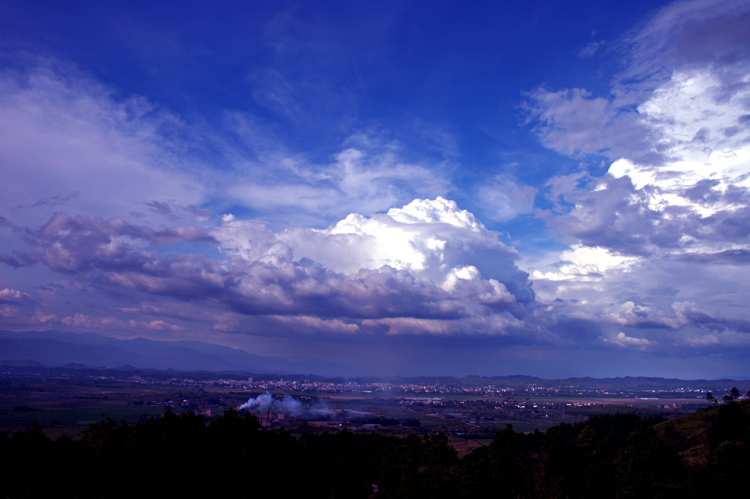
x=504 y=199
x=625 y=341
x=68 y=142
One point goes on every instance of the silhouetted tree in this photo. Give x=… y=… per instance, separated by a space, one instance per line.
x=647 y=466
x=730 y=423
x=734 y=393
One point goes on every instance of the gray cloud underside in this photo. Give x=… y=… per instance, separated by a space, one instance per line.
x=613 y=213
x=114 y=256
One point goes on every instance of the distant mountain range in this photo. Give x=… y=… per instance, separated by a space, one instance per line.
x=60 y=349
x=77 y=351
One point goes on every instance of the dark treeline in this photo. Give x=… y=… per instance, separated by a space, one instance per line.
x=619 y=455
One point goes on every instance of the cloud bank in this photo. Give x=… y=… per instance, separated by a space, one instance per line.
x=426 y=268
x=629 y=247
x=659 y=242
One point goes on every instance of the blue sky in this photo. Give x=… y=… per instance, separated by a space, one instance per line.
x=548 y=188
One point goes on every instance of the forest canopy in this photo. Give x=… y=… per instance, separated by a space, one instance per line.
x=703 y=454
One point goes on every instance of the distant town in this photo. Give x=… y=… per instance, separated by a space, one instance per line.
x=65 y=400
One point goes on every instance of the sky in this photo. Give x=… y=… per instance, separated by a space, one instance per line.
x=413 y=188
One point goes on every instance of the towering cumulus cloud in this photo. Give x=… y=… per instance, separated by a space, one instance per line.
x=428 y=267
x=425 y=268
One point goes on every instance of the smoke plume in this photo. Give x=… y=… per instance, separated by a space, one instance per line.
x=267 y=403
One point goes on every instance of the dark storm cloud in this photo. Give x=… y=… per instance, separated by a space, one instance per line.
x=18 y=259
x=617 y=217
x=613 y=213
x=728 y=257
x=79 y=243
x=162 y=209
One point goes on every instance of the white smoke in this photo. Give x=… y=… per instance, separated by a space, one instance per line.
x=267 y=403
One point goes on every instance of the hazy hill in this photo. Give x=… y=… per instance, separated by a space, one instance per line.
x=57 y=349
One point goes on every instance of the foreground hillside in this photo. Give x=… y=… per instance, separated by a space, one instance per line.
x=704 y=454
x=698 y=435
